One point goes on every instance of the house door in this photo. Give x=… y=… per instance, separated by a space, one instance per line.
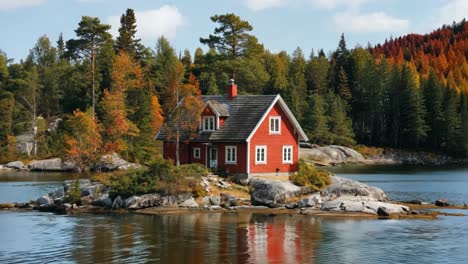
x=213 y=157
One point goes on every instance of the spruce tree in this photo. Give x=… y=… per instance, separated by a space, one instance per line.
x=339 y=123
x=433 y=99
x=315 y=121
x=127 y=41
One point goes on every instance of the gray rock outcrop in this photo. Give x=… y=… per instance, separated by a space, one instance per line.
x=55 y=164
x=143 y=201
x=330 y=155
x=274 y=193
x=45 y=200
x=111 y=162
x=227 y=200
x=118 y=203
x=359 y=205
x=211 y=200
x=342 y=186
x=103 y=200
x=17 y=165
x=190 y=203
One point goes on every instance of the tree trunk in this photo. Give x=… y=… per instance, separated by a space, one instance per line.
x=177 y=147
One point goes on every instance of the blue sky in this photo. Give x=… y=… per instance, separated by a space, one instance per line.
x=278 y=24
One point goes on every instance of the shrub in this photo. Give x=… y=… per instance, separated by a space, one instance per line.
x=161 y=176
x=308 y=175
x=74 y=194
x=367 y=151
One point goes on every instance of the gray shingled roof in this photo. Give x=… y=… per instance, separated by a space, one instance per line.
x=244 y=112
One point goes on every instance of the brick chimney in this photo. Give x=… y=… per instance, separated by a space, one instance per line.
x=231 y=90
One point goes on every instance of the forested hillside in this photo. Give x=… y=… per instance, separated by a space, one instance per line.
x=113 y=94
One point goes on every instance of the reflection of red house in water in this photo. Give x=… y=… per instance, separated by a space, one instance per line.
x=244 y=135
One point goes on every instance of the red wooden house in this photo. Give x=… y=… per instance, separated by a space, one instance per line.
x=243 y=135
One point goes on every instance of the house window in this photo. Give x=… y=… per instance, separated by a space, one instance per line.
x=288 y=154
x=196 y=153
x=260 y=155
x=208 y=123
x=275 y=125
x=231 y=154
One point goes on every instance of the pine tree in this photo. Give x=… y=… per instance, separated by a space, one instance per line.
x=230 y=39
x=92 y=36
x=60 y=47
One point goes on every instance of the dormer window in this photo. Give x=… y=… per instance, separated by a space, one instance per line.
x=208 y=123
x=275 y=125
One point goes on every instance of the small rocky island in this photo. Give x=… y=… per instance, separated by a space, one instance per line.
x=343 y=197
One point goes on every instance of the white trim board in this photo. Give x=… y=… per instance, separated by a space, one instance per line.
x=288 y=113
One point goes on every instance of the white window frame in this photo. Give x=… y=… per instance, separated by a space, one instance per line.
x=204 y=123
x=285 y=154
x=195 y=151
x=257 y=160
x=232 y=158
x=275 y=119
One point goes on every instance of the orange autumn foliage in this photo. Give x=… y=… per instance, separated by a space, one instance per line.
x=445 y=50
x=84 y=141
x=157 y=118
x=126 y=75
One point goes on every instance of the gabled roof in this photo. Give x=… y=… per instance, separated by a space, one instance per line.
x=245 y=114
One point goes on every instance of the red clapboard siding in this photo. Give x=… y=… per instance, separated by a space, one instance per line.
x=274 y=144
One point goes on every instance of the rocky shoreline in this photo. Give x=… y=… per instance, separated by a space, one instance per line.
x=336 y=155
x=343 y=198
x=108 y=162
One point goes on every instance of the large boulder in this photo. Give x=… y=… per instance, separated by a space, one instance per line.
x=274 y=193
x=342 y=186
x=55 y=164
x=103 y=201
x=17 y=165
x=45 y=200
x=227 y=200
x=118 y=203
x=190 y=203
x=311 y=201
x=332 y=154
x=143 y=201
x=211 y=200
x=111 y=162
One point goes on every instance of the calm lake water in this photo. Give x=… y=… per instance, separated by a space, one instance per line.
x=35 y=237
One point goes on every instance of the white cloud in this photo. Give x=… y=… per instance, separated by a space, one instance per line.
x=369 y=23
x=13 y=4
x=257 y=5
x=333 y=4
x=452 y=10
x=154 y=23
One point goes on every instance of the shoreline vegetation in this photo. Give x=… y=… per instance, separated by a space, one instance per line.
x=167 y=189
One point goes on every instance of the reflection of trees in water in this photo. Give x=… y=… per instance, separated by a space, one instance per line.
x=196 y=238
